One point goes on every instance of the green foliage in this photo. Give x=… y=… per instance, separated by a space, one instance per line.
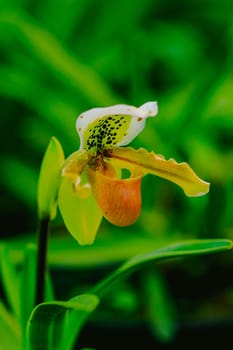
x=49 y=180
x=44 y=324
x=54 y=66
x=11 y=337
x=59 y=58
x=171 y=251
x=162 y=318
x=10 y=280
x=56 y=324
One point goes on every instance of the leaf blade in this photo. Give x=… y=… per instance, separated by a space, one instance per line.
x=10 y=280
x=9 y=330
x=47 y=320
x=175 y=250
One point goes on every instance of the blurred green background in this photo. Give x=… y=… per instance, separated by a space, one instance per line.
x=59 y=58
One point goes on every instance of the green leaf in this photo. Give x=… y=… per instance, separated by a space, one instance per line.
x=10 y=280
x=159 y=306
x=56 y=325
x=9 y=330
x=75 y=319
x=28 y=284
x=176 y=250
x=49 y=179
x=113 y=249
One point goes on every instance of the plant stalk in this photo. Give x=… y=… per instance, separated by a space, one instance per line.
x=41 y=268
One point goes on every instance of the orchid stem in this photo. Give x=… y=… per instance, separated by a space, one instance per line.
x=41 y=268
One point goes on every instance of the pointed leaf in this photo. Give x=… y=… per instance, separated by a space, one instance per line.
x=159 y=306
x=49 y=179
x=10 y=280
x=28 y=279
x=56 y=325
x=179 y=173
x=10 y=331
x=179 y=249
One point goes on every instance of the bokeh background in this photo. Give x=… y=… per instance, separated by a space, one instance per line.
x=59 y=58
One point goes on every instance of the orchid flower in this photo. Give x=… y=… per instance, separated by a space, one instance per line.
x=92 y=186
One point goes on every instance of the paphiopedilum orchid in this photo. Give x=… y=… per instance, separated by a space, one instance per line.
x=92 y=186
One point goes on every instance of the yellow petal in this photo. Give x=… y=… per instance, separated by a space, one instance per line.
x=179 y=173
x=119 y=200
x=82 y=216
